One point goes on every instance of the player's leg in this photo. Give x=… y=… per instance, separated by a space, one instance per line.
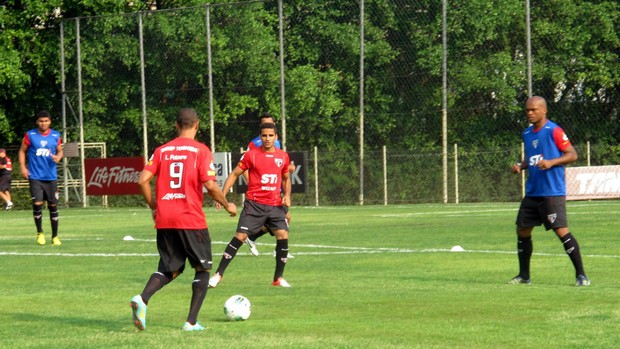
x=251 y=219
x=50 y=192
x=171 y=265
x=5 y=190
x=9 y=200
x=279 y=226
x=556 y=207
x=37 y=195
x=198 y=245
x=229 y=254
x=527 y=218
x=171 y=262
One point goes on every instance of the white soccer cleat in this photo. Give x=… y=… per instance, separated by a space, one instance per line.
x=215 y=280
x=252 y=246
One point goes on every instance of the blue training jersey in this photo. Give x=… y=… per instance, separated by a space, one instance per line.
x=40 y=148
x=546 y=143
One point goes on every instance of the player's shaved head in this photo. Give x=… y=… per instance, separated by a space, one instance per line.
x=537 y=101
x=187 y=118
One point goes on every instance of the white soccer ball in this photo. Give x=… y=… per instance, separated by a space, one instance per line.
x=237 y=308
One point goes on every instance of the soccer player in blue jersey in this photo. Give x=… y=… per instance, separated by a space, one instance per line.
x=42 y=148
x=547 y=151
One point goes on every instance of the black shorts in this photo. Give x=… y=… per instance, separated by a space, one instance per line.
x=548 y=210
x=5 y=181
x=44 y=191
x=254 y=216
x=177 y=245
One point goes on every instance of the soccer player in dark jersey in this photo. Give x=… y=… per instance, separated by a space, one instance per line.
x=42 y=149
x=547 y=151
x=256 y=143
x=6 y=168
x=182 y=167
x=268 y=172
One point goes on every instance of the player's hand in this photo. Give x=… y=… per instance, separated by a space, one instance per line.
x=516 y=168
x=24 y=172
x=56 y=158
x=154 y=213
x=544 y=164
x=286 y=201
x=218 y=206
x=232 y=209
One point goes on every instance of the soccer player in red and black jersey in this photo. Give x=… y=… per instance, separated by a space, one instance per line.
x=182 y=167
x=547 y=151
x=268 y=174
x=6 y=167
x=256 y=143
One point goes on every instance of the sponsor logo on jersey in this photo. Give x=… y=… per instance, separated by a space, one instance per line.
x=279 y=162
x=173 y=196
x=535 y=143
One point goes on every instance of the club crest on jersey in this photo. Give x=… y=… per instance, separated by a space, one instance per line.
x=279 y=162
x=552 y=217
x=535 y=143
x=43 y=144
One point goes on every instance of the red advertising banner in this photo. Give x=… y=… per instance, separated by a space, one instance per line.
x=113 y=176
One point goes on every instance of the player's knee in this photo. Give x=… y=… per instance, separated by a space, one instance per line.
x=281 y=234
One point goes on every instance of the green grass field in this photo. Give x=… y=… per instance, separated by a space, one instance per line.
x=363 y=277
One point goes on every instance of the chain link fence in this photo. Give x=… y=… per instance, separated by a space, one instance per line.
x=124 y=77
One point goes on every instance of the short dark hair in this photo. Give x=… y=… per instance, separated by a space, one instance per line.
x=269 y=125
x=187 y=118
x=43 y=114
x=266 y=115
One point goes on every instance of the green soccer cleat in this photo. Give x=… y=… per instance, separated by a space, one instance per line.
x=582 y=280
x=189 y=327
x=138 y=309
x=519 y=280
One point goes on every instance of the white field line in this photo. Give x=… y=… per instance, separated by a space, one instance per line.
x=331 y=250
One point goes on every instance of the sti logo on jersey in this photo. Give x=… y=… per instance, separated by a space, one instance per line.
x=279 y=162
x=43 y=151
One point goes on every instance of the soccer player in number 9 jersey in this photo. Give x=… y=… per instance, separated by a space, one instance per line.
x=183 y=167
x=547 y=151
x=264 y=204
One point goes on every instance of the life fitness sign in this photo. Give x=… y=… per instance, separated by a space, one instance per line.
x=113 y=176
x=593 y=182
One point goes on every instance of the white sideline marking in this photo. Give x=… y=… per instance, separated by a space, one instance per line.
x=345 y=250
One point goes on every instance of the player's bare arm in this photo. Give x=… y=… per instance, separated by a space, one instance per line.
x=286 y=189
x=144 y=181
x=232 y=178
x=21 y=156
x=59 y=154
x=216 y=193
x=569 y=155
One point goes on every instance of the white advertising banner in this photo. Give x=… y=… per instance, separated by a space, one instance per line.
x=222 y=167
x=593 y=182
